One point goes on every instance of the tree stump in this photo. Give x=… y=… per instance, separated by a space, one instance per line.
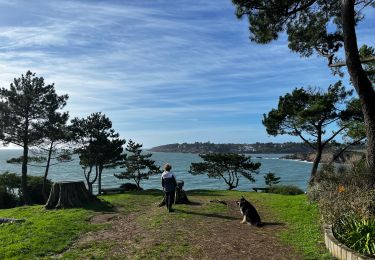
x=68 y=195
x=180 y=195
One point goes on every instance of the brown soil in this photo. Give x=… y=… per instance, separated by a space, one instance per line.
x=213 y=236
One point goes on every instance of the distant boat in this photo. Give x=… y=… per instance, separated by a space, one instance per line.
x=258 y=157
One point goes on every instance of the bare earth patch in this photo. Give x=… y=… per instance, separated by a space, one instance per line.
x=191 y=231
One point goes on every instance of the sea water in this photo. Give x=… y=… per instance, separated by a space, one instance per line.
x=290 y=172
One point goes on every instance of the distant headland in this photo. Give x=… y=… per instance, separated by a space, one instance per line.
x=208 y=147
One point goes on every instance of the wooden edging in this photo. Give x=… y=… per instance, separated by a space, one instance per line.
x=338 y=249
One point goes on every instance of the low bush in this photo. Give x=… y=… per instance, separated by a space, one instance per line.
x=10 y=181
x=286 y=190
x=11 y=184
x=129 y=187
x=343 y=191
x=7 y=199
x=356 y=233
x=35 y=188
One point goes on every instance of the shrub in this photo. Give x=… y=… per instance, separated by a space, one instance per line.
x=7 y=199
x=130 y=187
x=286 y=190
x=35 y=188
x=11 y=183
x=346 y=190
x=356 y=233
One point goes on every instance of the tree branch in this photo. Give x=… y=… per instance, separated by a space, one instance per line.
x=304 y=139
x=333 y=136
x=343 y=64
x=334 y=158
x=301 y=8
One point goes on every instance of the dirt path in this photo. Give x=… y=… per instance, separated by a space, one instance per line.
x=191 y=232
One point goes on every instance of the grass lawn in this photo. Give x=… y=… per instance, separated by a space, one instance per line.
x=136 y=230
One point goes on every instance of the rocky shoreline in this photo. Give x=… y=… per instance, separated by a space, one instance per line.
x=346 y=157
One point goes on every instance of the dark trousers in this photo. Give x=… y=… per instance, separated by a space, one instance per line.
x=169 y=199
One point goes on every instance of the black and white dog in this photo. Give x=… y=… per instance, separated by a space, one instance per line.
x=249 y=213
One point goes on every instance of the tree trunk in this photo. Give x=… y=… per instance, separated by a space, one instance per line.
x=100 y=180
x=68 y=195
x=318 y=156
x=25 y=192
x=45 y=195
x=315 y=166
x=359 y=79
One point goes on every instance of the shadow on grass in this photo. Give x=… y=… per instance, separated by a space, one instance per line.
x=100 y=205
x=211 y=215
x=211 y=193
x=151 y=192
x=273 y=224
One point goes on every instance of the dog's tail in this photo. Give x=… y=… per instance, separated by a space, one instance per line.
x=259 y=224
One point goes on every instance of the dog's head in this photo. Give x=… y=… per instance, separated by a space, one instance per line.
x=242 y=200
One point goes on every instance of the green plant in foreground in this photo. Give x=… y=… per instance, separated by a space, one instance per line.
x=356 y=233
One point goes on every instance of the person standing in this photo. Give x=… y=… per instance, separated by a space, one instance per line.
x=168 y=181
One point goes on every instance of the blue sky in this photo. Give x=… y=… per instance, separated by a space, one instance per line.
x=163 y=71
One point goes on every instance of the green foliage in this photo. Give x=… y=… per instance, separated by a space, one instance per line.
x=11 y=182
x=356 y=233
x=308 y=113
x=99 y=146
x=311 y=25
x=303 y=110
x=19 y=160
x=365 y=52
x=346 y=190
x=138 y=166
x=286 y=190
x=227 y=166
x=35 y=188
x=7 y=199
x=270 y=179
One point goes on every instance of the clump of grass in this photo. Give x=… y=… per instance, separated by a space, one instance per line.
x=356 y=233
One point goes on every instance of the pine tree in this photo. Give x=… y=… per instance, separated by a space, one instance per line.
x=99 y=146
x=24 y=109
x=138 y=166
x=227 y=166
x=270 y=179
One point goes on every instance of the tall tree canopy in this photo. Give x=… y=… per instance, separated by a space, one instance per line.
x=24 y=112
x=308 y=113
x=324 y=27
x=226 y=166
x=138 y=166
x=99 y=146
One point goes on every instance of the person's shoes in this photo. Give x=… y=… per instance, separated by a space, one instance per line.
x=171 y=210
